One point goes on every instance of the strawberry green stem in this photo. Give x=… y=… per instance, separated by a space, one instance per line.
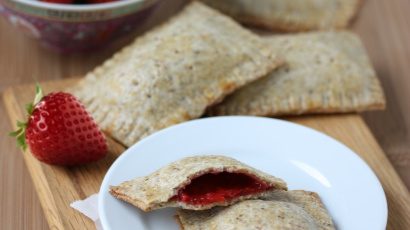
x=20 y=133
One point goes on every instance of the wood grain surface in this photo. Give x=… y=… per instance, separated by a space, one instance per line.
x=57 y=187
x=383 y=25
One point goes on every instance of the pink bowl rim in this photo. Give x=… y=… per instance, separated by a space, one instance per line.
x=79 y=8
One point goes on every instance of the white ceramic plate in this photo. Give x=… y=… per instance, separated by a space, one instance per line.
x=304 y=158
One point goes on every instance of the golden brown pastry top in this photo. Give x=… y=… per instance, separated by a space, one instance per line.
x=155 y=190
x=290 y=15
x=173 y=73
x=325 y=72
x=280 y=210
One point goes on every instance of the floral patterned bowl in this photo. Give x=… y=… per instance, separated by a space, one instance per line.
x=75 y=28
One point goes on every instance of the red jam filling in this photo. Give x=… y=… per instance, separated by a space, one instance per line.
x=219 y=187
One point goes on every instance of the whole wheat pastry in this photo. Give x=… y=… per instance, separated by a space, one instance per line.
x=281 y=210
x=290 y=15
x=173 y=73
x=197 y=183
x=326 y=72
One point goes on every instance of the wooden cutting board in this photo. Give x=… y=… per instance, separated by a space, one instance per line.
x=57 y=187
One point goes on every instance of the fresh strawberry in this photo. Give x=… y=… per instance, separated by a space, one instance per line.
x=59 y=1
x=60 y=131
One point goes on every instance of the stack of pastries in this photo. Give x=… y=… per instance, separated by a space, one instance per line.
x=219 y=192
x=202 y=62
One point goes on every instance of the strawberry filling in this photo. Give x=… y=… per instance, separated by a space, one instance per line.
x=220 y=187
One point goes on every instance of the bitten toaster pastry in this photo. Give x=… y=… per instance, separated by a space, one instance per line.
x=197 y=183
x=173 y=73
x=290 y=15
x=326 y=72
x=296 y=210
